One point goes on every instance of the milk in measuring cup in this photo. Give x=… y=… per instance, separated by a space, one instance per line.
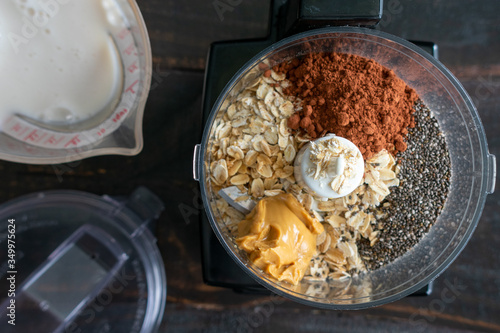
x=58 y=63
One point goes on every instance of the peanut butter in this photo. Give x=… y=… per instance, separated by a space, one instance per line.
x=280 y=237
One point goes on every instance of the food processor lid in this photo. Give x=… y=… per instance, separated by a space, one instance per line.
x=81 y=263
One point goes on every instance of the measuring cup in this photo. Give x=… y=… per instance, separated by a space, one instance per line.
x=117 y=129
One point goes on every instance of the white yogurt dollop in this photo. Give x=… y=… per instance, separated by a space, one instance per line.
x=57 y=59
x=329 y=167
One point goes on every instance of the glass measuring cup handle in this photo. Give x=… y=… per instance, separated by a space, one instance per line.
x=302 y=15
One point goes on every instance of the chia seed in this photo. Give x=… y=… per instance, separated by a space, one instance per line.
x=414 y=206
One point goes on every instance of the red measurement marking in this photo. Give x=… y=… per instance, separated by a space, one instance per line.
x=123 y=33
x=101 y=132
x=130 y=89
x=132 y=68
x=52 y=140
x=33 y=136
x=74 y=141
x=130 y=49
x=120 y=115
x=17 y=127
x=42 y=136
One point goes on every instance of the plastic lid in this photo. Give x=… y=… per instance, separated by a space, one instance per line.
x=77 y=262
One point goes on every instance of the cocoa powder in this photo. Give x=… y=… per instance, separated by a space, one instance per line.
x=352 y=97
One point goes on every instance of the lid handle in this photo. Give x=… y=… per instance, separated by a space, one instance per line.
x=492 y=167
x=196 y=162
x=145 y=204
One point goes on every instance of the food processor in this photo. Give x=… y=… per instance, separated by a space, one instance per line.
x=117 y=129
x=473 y=167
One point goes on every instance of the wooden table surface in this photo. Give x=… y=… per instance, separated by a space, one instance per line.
x=468 y=35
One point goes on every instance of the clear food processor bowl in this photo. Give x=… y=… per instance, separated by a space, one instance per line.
x=473 y=168
x=117 y=129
